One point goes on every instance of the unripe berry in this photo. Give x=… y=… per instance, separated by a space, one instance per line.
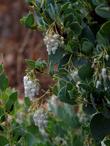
x=75 y=76
x=98 y=84
x=107 y=57
x=104 y=73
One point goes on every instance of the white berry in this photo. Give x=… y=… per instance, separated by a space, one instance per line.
x=75 y=76
x=98 y=84
x=53 y=42
x=107 y=57
x=41 y=120
x=31 y=88
x=104 y=73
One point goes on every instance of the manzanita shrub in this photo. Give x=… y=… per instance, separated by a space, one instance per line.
x=77 y=37
x=25 y=123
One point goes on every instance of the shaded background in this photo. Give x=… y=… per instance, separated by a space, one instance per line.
x=18 y=43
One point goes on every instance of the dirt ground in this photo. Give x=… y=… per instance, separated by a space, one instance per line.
x=18 y=43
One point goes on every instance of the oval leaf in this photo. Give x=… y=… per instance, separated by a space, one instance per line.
x=100 y=127
x=85 y=72
x=103 y=34
x=103 y=10
x=3 y=81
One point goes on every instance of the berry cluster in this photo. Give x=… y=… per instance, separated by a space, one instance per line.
x=104 y=73
x=75 y=76
x=41 y=119
x=107 y=57
x=53 y=42
x=31 y=87
x=104 y=80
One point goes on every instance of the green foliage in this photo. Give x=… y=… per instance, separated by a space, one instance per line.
x=9 y=106
x=3 y=81
x=85 y=28
x=28 y=21
x=87 y=48
x=66 y=118
x=38 y=65
x=78 y=61
x=99 y=127
x=85 y=72
x=104 y=33
x=68 y=93
x=18 y=128
x=103 y=10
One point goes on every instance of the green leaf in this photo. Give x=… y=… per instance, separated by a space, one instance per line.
x=51 y=11
x=66 y=112
x=103 y=10
x=103 y=34
x=100 y=127
x=11 y=102
x=28 y=20
x=3 y=141
x=68 y=94
x=62 y=72
x=63 y=61
x=87 y=48
x=76 y=28
x=88 y=34
x=55 y=127
x=105 y=29
x=68 y=18
x=40 y=65
x=85 y=72
x=98 y=2
x=62 y=94
x=30 y=63
x=64 y=7
x=3 y=82
x=107 y=142
x=88 y=109
x=79 y=61
x=27 y=102
x=33 y=130
x=18 y=133
x=29 y=139
x=72 y=46
x=55 y=58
